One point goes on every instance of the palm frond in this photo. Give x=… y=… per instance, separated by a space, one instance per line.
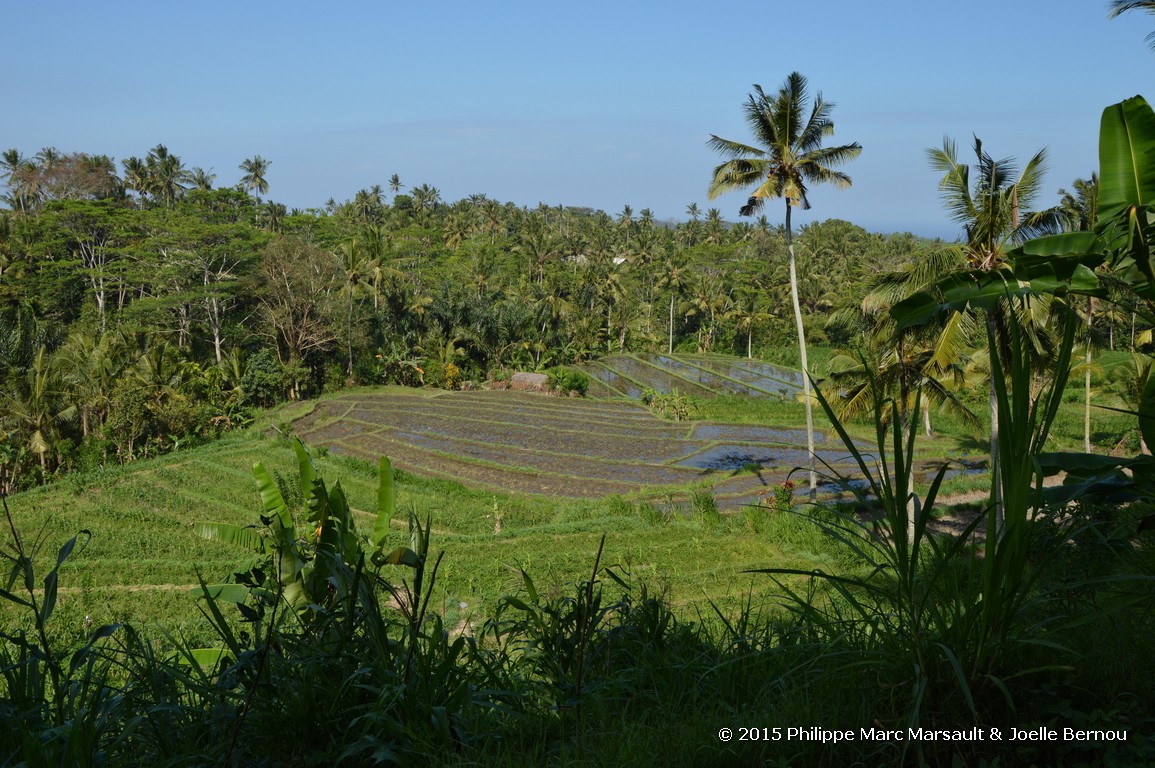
x=818 y=127
x=734 y=149
x=950 y=346
x=954 y=187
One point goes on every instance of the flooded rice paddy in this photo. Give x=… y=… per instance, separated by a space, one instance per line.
x=532 y=443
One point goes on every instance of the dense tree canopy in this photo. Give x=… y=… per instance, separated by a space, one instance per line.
x=255 y=303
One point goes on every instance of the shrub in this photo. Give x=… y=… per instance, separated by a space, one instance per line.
x=669 y=405
x=704 y=509
x=452 y=376
x=263 y=382
x=567 y=381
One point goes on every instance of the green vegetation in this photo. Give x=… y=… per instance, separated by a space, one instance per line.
x=186 y=583
x=790 y=157
x=145 y=554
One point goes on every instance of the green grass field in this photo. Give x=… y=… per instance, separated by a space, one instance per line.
x=143 y=558
x=695 y=643
x=536 y=487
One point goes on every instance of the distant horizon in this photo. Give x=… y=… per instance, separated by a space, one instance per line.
x=599 y=105
x=389 y=197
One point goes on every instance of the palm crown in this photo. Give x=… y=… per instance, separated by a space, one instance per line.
x=791 y=152
x=993 y=209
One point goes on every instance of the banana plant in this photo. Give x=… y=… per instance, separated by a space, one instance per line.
x=1064 y=264
x=315 y=565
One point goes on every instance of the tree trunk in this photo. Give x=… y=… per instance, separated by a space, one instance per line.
x=350 y=368
x=213 y=306
x=671 y=350
x=996 y=485
x=215 y=322
x=907 y=425
x=1087 y=380
x=802 y=355
x=1087 y=403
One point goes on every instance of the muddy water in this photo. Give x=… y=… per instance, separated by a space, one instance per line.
x=701 y=377
x=612 y=379
x=655 y=377
x=766 y=376
x=733 y=457
x=747 y=433
x=706 y=378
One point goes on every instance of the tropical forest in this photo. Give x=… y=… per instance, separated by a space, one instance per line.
x=401 y=480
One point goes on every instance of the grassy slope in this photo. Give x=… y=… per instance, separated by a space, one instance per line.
x=144 y=556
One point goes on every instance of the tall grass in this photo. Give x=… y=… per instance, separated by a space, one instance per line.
x=330 y=648
x=958 y=627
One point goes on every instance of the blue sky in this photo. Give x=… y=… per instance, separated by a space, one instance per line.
x=594 y=103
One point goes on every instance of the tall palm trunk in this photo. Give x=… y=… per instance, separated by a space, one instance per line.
x=906 y=424
x=350 y=362
x=671 y=350
x=996 y=484
x=802 y=354
x=1087 y=379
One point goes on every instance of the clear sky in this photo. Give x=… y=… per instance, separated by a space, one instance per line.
x=591 y=103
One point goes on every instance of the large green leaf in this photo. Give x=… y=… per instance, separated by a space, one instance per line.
x=1147 y=412
x=246 y=536
x=917 y=309
x=344 y=536
x=1126 y=157
x=400 y=556
x=957 y=291
x=1057 y=264
x=307 y=471
x=289 y=560
x=1094 y=477
x=386 y=502
x=271 y=499
x=208 y=659
x=1127 y=190
x=977 y=288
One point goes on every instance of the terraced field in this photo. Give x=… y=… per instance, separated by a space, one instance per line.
x=696 y=375
x=144 y=556
x=535 y=444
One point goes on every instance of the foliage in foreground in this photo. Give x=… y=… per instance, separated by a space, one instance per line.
x=337 y=657
x=328 y=651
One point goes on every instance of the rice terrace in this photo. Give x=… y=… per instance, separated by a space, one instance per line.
x=528 y=443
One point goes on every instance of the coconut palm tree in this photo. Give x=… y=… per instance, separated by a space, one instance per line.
x=994 y=213
x=790 y=155
x=35 y=410
x=136 y=177
x=18 y=173
x=254 y=180
x=1131 y=381
x=626 y=222
x=674 y=275
x=1078 y=211
x=1119 y=7
x=166 y=174
x=747 y=311
x=89 y=365
x=355 y=265
x=201 y=179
